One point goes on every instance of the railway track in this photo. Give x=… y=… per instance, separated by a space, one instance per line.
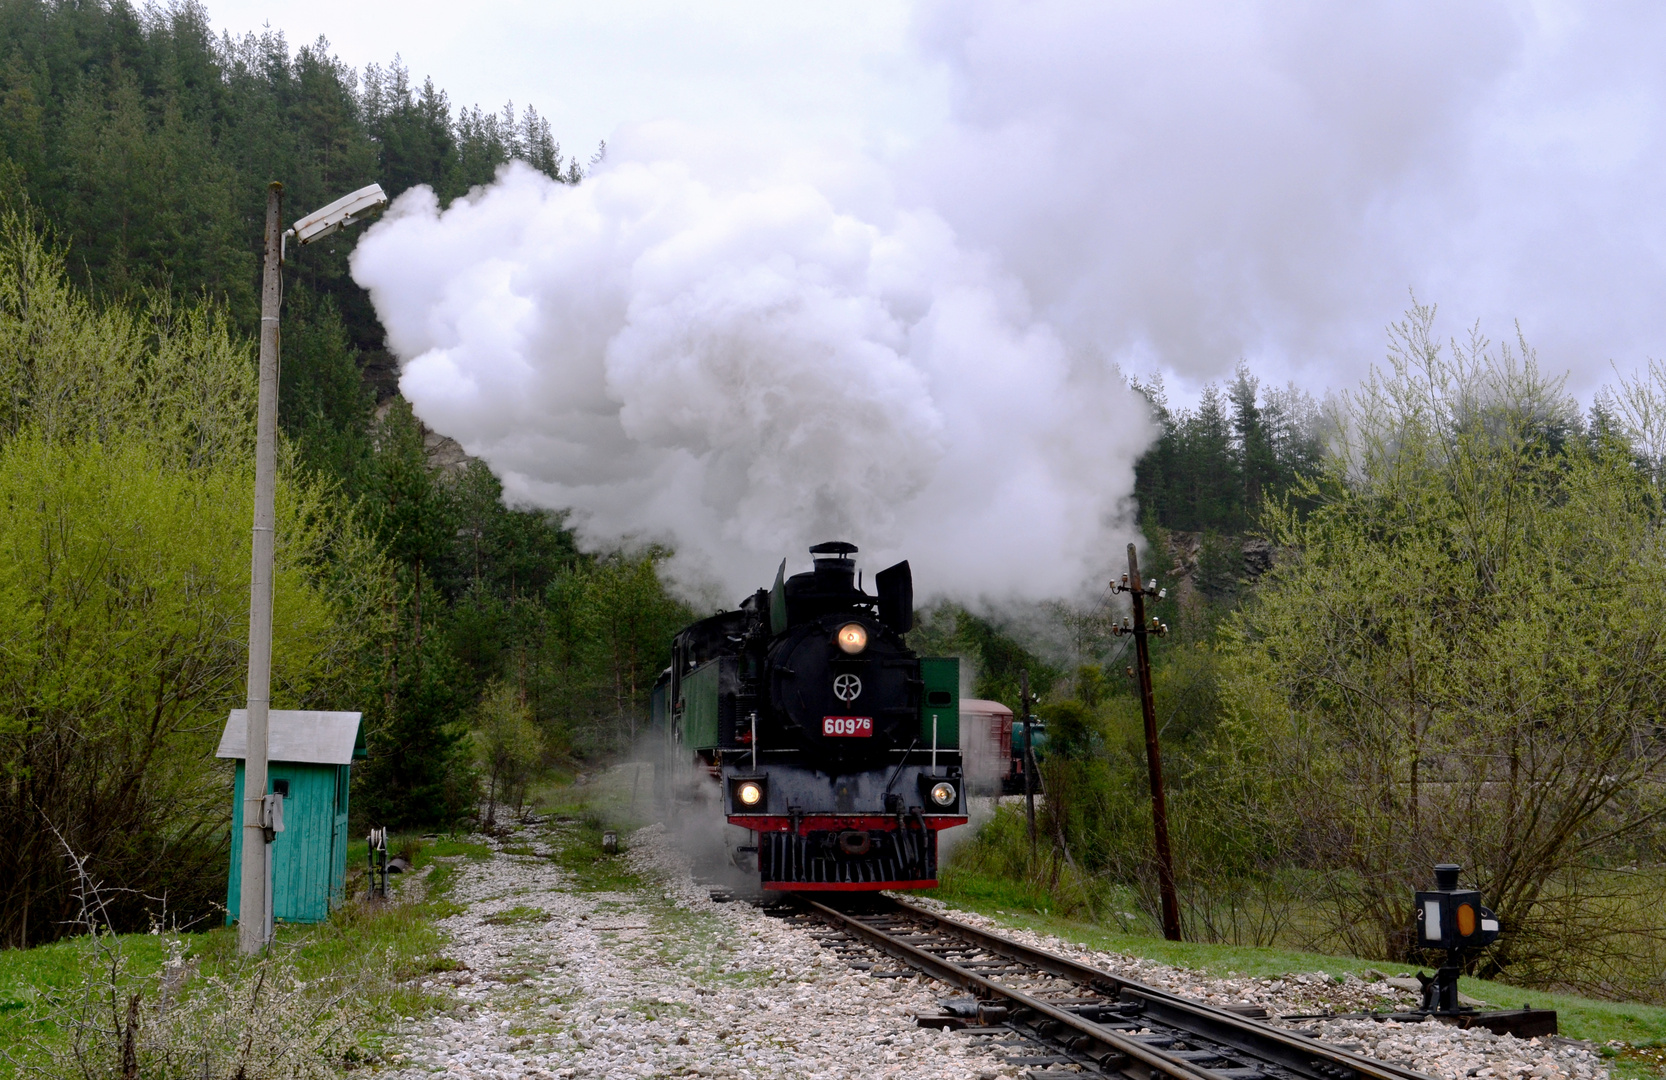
x=1054 y=1016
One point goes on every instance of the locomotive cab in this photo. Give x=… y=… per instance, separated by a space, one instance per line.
x=832 y=743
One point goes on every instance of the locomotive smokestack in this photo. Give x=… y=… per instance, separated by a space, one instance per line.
x=835 y=569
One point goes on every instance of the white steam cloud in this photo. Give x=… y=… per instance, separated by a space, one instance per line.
x=915 y=348
x=1191 y=182
x=741 y=370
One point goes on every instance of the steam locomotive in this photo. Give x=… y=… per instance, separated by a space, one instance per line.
x=827 y=739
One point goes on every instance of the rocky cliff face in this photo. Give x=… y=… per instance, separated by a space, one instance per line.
x=443 y=451
x=1216 y=564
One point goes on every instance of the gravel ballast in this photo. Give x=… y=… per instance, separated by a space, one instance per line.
x=660 y=982
x=654 y=979
x=1430 y=1047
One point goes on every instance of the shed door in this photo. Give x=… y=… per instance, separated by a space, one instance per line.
x=338 y=835
x=300 y=854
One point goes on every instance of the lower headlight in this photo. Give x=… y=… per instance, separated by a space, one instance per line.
x=942 y=793
x=750 y=794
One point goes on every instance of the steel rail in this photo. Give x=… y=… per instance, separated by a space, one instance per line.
x=1276 y=1045
x=946 y=971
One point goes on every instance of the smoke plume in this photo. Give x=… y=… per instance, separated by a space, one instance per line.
x=917 y=347
x=741 y=369
x=1189 y=183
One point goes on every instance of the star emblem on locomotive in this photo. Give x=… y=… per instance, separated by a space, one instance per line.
x=847 y=687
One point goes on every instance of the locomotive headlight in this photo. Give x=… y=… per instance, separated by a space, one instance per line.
x=853 y=638
x=749 y=793
x=942 y=793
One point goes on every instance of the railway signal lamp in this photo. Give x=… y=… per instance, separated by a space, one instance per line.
x=1453 y=919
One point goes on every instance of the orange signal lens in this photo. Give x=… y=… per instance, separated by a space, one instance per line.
x=1466 y=920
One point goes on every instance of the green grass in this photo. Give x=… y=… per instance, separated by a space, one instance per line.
x=1012 y=905
x=440 y=856
x=29 y=978
x=518 y=914
x=444 y=847
x=576 y=819
x=623 y=797
x=578 y=850
x=1639 y=1063
x=390 y=947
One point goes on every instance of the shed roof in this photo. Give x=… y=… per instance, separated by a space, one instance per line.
x=303 y=735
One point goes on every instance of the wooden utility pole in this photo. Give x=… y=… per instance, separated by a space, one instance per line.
x=1029 y=754
x=253 y=919
x=1138 y=591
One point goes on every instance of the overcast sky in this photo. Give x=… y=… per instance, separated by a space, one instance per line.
x=842 y=71
x=1176 y=185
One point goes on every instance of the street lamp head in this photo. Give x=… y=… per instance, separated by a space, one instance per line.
x=339 y=214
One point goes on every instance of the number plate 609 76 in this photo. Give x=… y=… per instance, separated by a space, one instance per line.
x=849 y=726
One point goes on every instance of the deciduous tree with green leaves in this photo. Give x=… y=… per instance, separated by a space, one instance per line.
x=1461 y=657
x=508 y=746
x=126 y=492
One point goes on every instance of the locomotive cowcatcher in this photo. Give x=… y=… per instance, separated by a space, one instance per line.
x=828 y=739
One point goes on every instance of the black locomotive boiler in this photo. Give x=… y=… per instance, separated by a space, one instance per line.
x=827 y=739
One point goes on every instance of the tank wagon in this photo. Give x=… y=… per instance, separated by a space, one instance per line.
x=830 y=742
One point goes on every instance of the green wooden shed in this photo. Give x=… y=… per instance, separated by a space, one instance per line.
x=309 y=762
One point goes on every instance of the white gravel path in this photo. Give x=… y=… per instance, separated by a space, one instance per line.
x=660 y=981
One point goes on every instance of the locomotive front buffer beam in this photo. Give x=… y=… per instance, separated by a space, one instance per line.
x=857 y=831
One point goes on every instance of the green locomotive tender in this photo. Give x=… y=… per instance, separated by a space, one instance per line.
x=807 y=716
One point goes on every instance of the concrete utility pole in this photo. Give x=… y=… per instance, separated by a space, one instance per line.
x=1153 y=751
x=254 y=891
x=253 y=918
